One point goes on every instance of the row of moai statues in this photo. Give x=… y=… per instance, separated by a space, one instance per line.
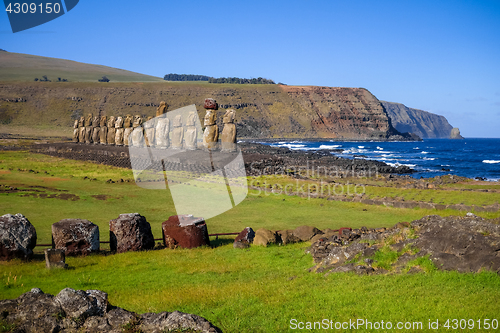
x=159 y=133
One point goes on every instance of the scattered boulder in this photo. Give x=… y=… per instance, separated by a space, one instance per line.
x=130 y=232
x=75 y=236
x=287 y=237
x=77 y=310
x=455 y=133
x=17 y=237
x=305 y=232
x=55 y=258
x=185 y=231
x=246 y=236
x=265 y=237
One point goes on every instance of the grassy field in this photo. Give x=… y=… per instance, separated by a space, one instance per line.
x=252 y=290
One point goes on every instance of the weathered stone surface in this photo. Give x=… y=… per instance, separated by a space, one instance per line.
x=455 y=134
x=103 y=133
x=79 y=311
x=75 y=131
x=88 y=128
x=161 y=132
x=265 y=237
x=228 y=139
x=190 y=132
x=130 y=232
x=149 y=132
x=75 y=236
x=17 y=237
x=110 y=140
x=287 y=237
x=210 y=103
x=119 y=131
x=246 y=236
x=305 y=233
x=211 y=133
x=465 y=244
x=55 y=258
x=177 y=137
x=185 y=231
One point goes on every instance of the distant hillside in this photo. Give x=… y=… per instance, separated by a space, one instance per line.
x=25 y=67
x=422 y=123
x=262 y=110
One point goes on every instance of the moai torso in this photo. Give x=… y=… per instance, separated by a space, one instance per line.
x=137 y=133
x=149 y=131
x=111 y=130
x=104 y=130
x=75 y=131
x=127 y=124
x=96 y=130
x=190 y=133
x=162 y=130
x=211 y=133
x=81 y=130
x=177 y=132
x=228 y=139
x=88 y=128
x=119 y=131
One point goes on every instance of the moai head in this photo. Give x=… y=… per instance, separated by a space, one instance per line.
x=137 y=121
x=119 y=122
x=75 y=124
x=177 y=121
x=210 y=118
x=191 y=120
x=111 y=122
x=88 y=120
x=128 y=121
x=81 y=122
x=95 y=121
x=229 y=116
x=211 y=104
x=162 y=109
x=104 y=121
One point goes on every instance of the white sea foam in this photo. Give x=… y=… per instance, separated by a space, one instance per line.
x=424 y=152
x=491 y=161
x=429 y=158
x=329 y=146
x=380 y=148
x=361 y=147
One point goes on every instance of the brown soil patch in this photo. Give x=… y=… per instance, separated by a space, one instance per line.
x=100 y=197
x=53 y=179
x=4 y=171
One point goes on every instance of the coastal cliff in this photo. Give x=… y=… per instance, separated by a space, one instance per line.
x=262 y=111
x=422 y=123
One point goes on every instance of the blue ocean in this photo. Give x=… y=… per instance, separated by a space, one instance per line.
x=432 y=157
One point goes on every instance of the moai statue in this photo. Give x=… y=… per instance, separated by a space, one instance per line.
x=127 y=123
x=104 y=130
x=111 y=131
x=177 y=132
x=137 y=136
x=149 y=132
x=211 y=134
x=119 y=131
x=96 y=130
x=75 y=131
x=162 y=129
x=228 y=140
x=190 y=134
x=162 y=109
x=88 y=128
x=81 y=129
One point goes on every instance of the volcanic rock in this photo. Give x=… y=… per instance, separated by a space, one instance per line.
x=185 y=231
x=305 y=233
x=130 y=232
x=17 y=237
x=246 y=236
x=265 y=237
x=75 y=236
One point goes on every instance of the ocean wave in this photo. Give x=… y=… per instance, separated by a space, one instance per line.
x=491 y=161
x=429 y=158
x=290 y=145
x=380 y=148
x=329 y=146
x=424 y=152
x=361 y=147
x=401 y=164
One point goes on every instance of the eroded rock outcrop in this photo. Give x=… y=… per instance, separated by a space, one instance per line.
x=130 y=232
x=17 y=237
x=75 y=236
x=89 y=311
x=464 y=244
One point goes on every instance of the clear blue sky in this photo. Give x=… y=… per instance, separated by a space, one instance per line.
x=439 y=56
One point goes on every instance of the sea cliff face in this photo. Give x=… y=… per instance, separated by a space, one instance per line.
x=422 y=123
x=262 y=111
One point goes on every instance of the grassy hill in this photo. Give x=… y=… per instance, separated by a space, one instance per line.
x=26 y=67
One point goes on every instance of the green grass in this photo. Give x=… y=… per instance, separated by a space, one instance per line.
x=253 y=290
x=260 y=289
